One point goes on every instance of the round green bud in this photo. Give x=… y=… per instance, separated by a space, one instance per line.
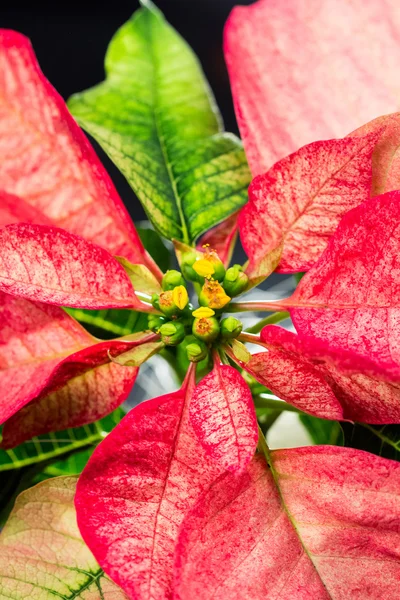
x=230 y=328
x=187 y=261
x=213 y=295
x=196 y=351
x=154 y=322
x=172 y=334
x=167 y=305
x=155 y=301
x=206 y=328
x=235 y=281
x=171 y=280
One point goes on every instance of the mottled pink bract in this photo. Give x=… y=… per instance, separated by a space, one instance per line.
x=223 y=417
x=305 y=71
x=320 y=523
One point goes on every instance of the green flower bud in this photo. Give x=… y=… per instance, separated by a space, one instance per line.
x=230 y=328
x=235 y=281
x=196 y=351
x=154 y=322
x=206 y=328
x=155 y=301
x=172 y=334
x=171 y=280
x=167 y=304
x=209 y=266
x=187 y=261
x=213 y=295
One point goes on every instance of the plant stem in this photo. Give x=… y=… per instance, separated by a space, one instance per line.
x=251 y=338
x=274 y=318
x=262 y=443
x=256 y=306
x=267 y=401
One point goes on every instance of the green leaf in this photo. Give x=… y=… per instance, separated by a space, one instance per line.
x=109 y=323
x=383 y=440
x=155 y=247
x=322 y=431
x=141 y=277
x=156 y=118
x=49 y=446
x=42 y=554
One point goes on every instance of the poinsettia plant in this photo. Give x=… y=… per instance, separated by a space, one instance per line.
x=183 y=498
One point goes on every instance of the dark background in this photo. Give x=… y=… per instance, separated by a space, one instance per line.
x=70 y=40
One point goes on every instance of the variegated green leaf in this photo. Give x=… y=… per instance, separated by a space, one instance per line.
x=42 y=554
x=156 y=118
x=52 y=445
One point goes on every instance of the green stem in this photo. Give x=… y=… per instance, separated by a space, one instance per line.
x=274 y=318
x=256 y=306
x=262 y=444
x=250 y=338
x=223 y=357
x=266 y=401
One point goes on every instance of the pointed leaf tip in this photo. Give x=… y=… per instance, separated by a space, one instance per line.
x=298 y=203
x=143 y=479
x=223 y=417
x=55 y=170
x=49 y=264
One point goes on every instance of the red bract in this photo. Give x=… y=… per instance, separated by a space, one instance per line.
x=386 y=156
x=323 y=382
x=53 y=374
x=299 y=202
x=351 y=297
x=318 y=523
x=291 y=377
x=16 y=210
x=136 y=490
x=48 y=162
x=223 y=417
x=302 y=72
x=222 y=238
x=51 y=265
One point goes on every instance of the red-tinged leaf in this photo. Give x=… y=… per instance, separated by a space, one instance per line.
x=53 y=374
x=308 y=373
x=222 y=238
x=351 y=297
x=135 y=491
x=223 y=417
x=48 y=161
x=49 y=264
x=42 y=554
x=294 y=379
x=292 y=65
x=84 y=398
x=386 y=156
x=299 y=202
x=320 y=523
x=16 y=210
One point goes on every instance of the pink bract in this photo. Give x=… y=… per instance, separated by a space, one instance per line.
x=303 y=71
x=318 y=523
x=136 y=490
x=48 y=162
x=223 y=417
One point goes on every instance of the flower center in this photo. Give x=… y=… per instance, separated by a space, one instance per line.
x=198 y=329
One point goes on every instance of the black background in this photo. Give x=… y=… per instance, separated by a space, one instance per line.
x=70 y=40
